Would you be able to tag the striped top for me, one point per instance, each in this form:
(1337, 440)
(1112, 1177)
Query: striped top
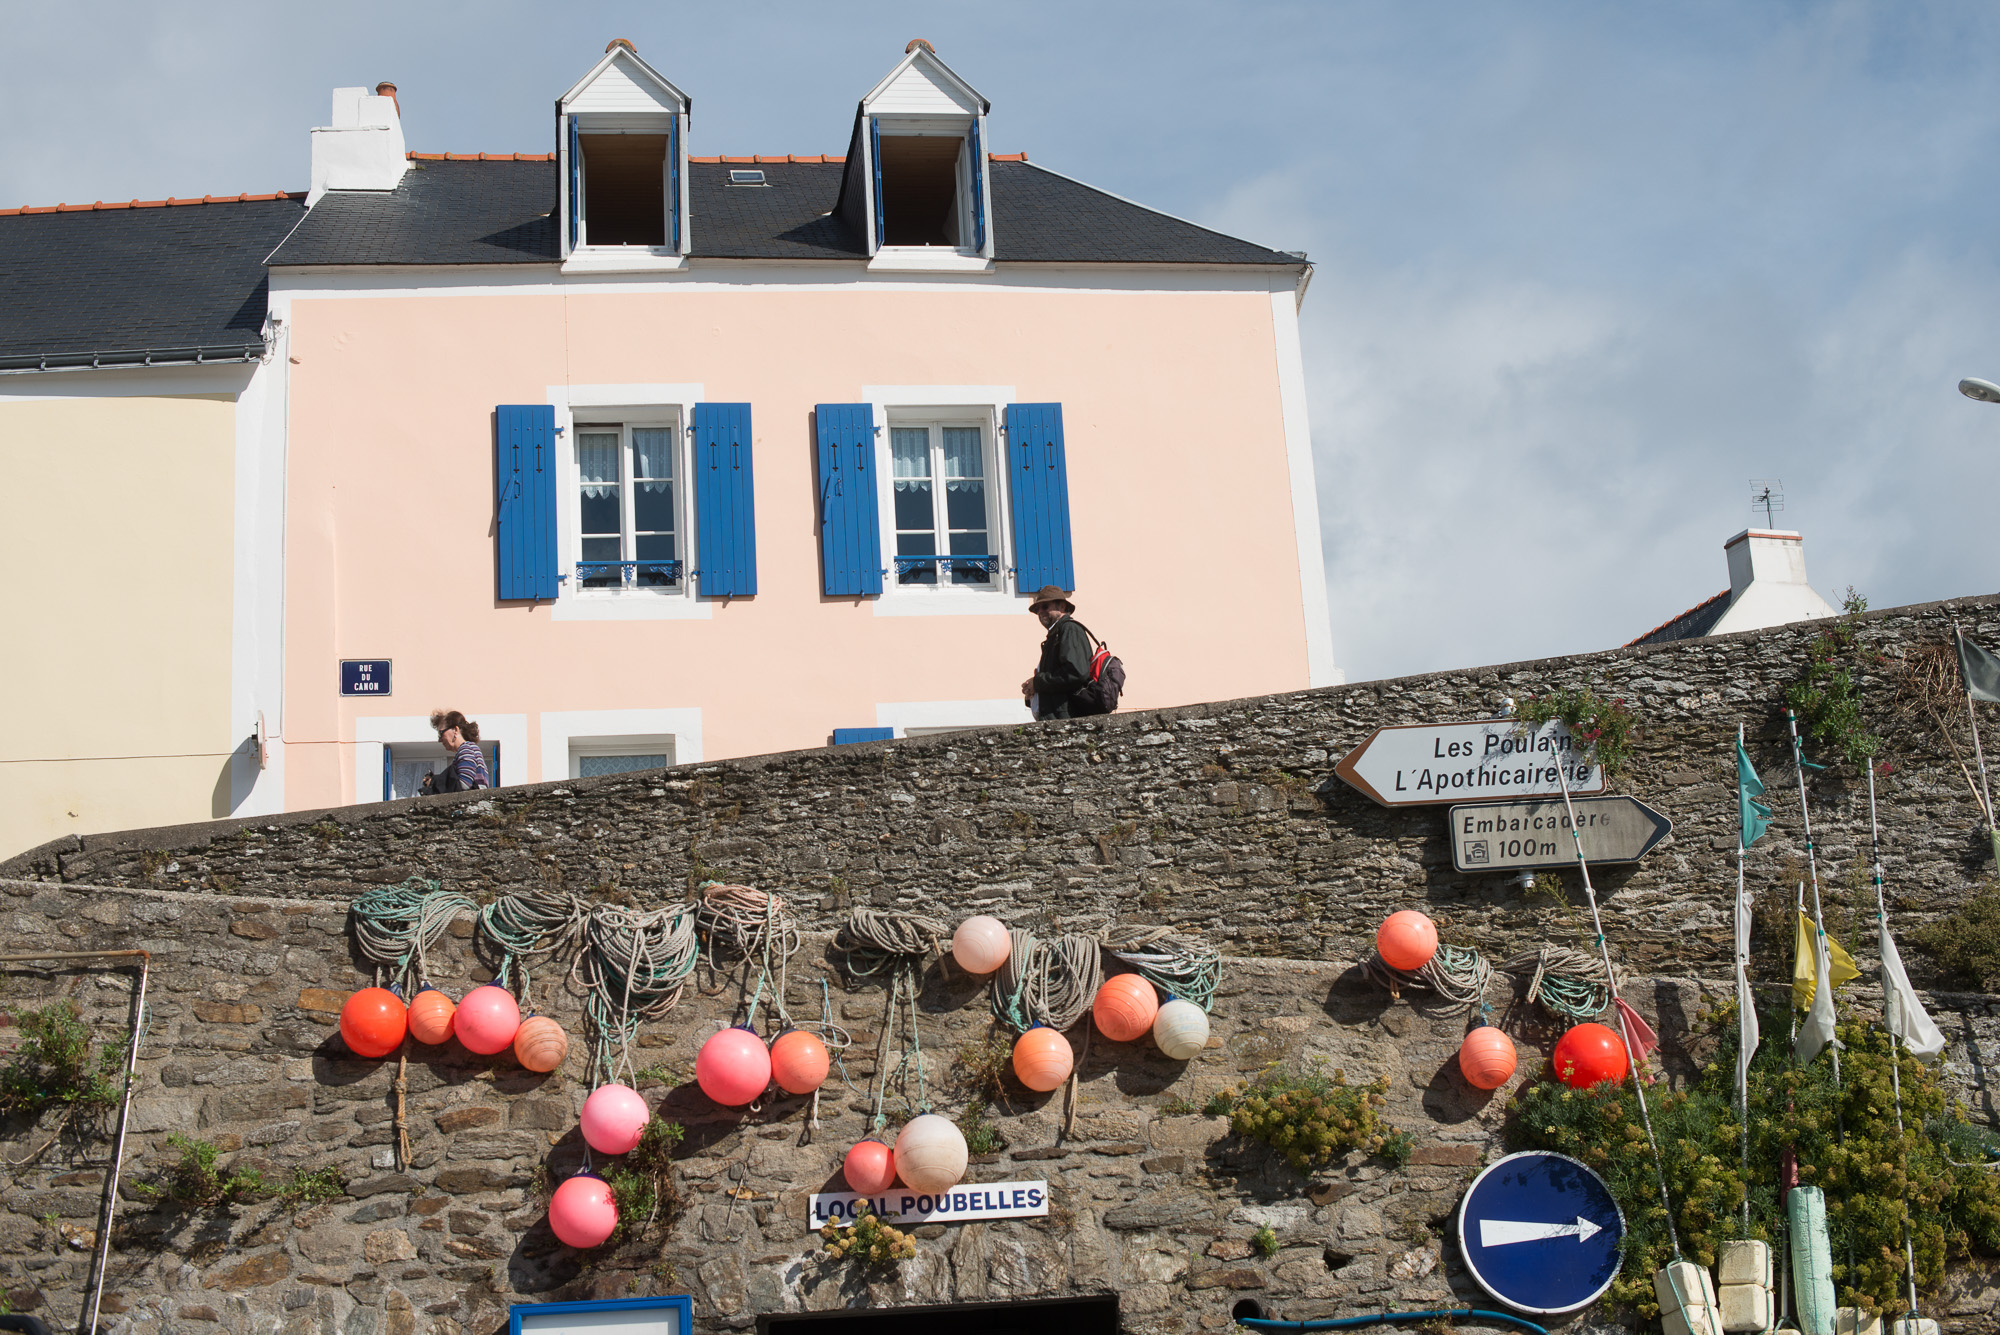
(471, 766)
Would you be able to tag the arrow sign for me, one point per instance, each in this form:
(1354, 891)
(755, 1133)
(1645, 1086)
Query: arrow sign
(1425, 764)
(1504, 1232)
(1503, 836)
(1503, 1209)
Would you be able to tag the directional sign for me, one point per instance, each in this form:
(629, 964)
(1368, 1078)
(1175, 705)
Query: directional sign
(1428, 763)
(1501, 836)
(1541, 1232)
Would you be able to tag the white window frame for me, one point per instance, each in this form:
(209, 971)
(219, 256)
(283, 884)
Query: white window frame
(934, 423)
(628, 405)
(962, 256)
(628, 498)
(572, 732)
(589, 257)
(372, 732)
(953, 405)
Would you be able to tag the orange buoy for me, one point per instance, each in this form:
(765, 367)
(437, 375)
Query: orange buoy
(1125, 1007)
(540, 1043)
(373, 1022)
(799, 1061)
(431, 1014)
(1042, 1060)
(1486, 1057)
(1589, 1054)
(1406, 940)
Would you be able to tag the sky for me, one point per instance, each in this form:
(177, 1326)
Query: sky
(1582, 271)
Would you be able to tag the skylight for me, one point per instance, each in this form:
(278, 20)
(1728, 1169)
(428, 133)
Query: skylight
(750, 177)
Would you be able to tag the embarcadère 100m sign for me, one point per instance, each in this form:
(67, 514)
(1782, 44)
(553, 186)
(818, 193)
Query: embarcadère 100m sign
(1433, 763)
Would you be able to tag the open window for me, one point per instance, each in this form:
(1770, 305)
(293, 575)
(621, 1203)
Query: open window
(916, 180)
(621, 138)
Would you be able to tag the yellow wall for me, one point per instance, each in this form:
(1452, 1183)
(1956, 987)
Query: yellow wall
(116, 522)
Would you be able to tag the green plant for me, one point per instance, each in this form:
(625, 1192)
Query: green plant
(664, 1074)
(326, 832)
(1397, 1147)
(643, 1184)
(980, 1135)
(1219, 1103)
(1845, 1141)
(1606, 727)
(869, 1241)
(1265, 1241)
(982, 1067)
(1828, 708)
(1966, 946)
(1306, 1115)
(52, 1065)
(196, 1182)
(312, 1188)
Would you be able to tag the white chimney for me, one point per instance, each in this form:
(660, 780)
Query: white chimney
(363, 148)
(1767, 582)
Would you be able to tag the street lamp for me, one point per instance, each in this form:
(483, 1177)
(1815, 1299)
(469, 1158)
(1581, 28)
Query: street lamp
(1983, 390)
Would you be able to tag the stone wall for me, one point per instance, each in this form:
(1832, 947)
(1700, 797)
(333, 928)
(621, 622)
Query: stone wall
(1221, 818)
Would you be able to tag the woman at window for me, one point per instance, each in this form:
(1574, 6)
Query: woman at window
(460, 738)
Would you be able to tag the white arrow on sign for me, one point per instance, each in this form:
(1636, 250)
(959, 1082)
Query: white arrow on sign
(1503, 1232)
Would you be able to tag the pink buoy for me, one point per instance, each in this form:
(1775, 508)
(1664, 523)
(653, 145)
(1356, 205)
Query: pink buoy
(583, 1211)
(613, 1119)
(487, 1020)
(981, 944)
(799, 1061)
(870, 1167)
(733, 1067)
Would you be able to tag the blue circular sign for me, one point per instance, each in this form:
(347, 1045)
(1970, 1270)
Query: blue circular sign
(1541, 1232)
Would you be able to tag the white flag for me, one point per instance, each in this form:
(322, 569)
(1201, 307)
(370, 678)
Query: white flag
(1902, 1012)
(1746, 1005)
(1817, 1031)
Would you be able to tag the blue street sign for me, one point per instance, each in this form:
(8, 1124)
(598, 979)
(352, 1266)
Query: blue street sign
(364, 676)
(1541, 1232)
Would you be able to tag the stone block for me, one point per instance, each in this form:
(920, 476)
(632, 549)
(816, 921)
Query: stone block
(467, 1181)
(329, 1246)
(1694, 1319)
(1745, 1307)
(1239, 1277)
(255, 929)
(1448, 1156)
(388, 1244)
(465, 1119)
(1159, 1212)
(375, 1186)
(1745, 1261)
(498, 1146)
(1856, 1321)
(1681, 1282)
(253, 1273)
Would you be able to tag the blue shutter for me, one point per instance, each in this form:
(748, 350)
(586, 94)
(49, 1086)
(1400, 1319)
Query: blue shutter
(524, 468)
(849, 736)
(978, 191)
(1038, 485)
(875, 162)
(575, 184)
(850, 535)
(674, 185)
(725, 499)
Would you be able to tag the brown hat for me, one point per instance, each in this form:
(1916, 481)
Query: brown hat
(1051, 594)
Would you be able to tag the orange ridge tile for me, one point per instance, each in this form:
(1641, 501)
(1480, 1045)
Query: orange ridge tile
(100, 205)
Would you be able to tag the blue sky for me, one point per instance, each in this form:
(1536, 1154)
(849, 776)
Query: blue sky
(1582, 270)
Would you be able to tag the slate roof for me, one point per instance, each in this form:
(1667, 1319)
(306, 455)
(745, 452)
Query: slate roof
(177, 281)
(1692, 624)
(458, 211)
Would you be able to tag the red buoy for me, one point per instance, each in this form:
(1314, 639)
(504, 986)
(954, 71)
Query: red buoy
(1590, 1054)
(373, 1022)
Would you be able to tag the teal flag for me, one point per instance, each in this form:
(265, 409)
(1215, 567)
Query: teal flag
(1749, 791)
(1981, 671)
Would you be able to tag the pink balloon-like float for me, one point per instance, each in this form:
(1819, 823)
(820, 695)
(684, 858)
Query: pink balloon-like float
(613, 1119)
(583, 1212)
(487, 1020)
(733, 1067)
(870, 1167)
(981, 944)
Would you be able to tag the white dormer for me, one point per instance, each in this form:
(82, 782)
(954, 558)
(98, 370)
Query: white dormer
(621, 148)
(921, 138)
(363, 148)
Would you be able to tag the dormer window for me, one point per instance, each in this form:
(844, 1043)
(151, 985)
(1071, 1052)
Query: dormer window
(917, 178)
(622, 134)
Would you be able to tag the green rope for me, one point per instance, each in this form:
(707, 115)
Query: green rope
(528, 928)
(1180, 966)
(1565, 982)
(395, 924)
(631, 968)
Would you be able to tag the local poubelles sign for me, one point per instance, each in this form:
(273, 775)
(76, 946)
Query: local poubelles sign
(960, 1205)
(1427, 763)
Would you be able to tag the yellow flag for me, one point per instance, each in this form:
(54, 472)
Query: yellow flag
(1840, 965)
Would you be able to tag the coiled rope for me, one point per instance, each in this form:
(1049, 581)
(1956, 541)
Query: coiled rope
(395, 924)
(876, 941)
(749, 924)
(526, 929)
(631, 968)
(1458, 974)
(1565, 982)
(1181, 966)
(1046, 982)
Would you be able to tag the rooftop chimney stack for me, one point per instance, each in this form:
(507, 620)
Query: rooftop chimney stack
(363, 149)
(1767, 582)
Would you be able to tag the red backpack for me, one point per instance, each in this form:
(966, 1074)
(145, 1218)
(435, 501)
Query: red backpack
(1107, 681)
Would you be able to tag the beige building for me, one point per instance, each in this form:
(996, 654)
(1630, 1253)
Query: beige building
(138, 427)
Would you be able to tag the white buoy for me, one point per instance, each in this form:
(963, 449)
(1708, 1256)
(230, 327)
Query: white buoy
(1181, 1029)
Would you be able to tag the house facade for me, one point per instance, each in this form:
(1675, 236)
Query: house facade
(643, 457)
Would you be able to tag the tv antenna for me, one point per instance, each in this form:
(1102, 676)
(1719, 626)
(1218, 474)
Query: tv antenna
(1765, 493)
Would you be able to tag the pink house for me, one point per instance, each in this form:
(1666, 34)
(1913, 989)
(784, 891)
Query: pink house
(640, 457)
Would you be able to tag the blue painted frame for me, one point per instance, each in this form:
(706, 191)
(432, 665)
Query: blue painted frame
(681, 1304)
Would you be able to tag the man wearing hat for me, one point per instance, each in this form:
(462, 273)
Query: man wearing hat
(1065, 666)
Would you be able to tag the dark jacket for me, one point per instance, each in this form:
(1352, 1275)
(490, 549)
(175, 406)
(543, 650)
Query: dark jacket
(1064, 669)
